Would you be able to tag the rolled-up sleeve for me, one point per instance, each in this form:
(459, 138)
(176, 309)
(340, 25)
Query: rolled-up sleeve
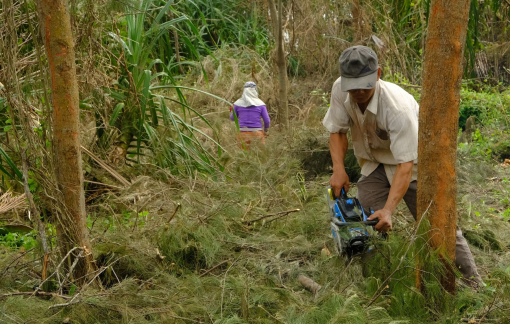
(403, 130)
(337, 119)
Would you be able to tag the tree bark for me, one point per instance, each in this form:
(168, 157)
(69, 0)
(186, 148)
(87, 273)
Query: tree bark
(438, 125)
(282, 72)
(358, 21)
(56, 31)
(362, 27)
(274, 18)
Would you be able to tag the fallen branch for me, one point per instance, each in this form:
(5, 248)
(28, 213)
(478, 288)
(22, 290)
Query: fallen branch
(104, 184)
(247, 210)
(215, 267)
(72, 302)
(75, 300)
(309, 284)
(268, 313)
(58, 266)
(71, 269)
(474, 321)
(175, 212)
(279, 214)
(491, 306)
(38, 293)
(108, 168)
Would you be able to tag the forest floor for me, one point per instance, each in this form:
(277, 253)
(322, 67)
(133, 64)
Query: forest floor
(176, 249)
(207, 261)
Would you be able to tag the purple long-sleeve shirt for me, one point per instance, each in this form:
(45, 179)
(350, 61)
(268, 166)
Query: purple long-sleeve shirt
(250, 116)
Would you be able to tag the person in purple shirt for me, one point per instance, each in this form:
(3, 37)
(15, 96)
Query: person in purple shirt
(249, 110)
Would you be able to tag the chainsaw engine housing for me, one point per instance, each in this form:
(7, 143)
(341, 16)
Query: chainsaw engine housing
(350, 228)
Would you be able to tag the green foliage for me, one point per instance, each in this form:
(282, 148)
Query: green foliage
(9, 163)
(222, 23)
(15, 239)
(491, 138)
(483, 239)
(294, 66)
(141, 113)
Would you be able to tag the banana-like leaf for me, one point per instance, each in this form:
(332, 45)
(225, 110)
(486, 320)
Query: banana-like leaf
(164, 10)
(11, 164)
(192, 89)
(116, 113)
(121, 42)
(163, 28)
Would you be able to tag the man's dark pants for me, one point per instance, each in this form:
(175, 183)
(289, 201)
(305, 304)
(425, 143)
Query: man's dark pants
(373, 192)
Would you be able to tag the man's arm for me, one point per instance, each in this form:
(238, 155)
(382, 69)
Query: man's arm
(398, 189)
(338, 144)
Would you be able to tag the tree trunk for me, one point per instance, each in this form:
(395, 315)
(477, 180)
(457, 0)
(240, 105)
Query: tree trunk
(282, 72)
(362, 27)
(358, 21)
(56, 31)
(438, 125)
(274, 18)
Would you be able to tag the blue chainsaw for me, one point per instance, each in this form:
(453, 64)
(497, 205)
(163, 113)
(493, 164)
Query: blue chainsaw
(349, 225)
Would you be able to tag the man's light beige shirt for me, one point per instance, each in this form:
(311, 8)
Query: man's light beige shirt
(386, 133)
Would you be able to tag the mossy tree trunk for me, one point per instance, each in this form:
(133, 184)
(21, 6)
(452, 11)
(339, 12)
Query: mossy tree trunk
(438, 125)
(57, 34)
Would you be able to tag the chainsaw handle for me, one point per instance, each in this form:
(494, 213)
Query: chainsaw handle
(366, 223)
(343, 193)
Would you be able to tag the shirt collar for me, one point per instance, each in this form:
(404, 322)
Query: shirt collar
(372, 106)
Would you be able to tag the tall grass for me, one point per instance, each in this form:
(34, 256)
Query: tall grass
(142, 114)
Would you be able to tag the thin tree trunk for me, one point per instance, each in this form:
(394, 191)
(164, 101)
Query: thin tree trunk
(274, 18)
(356, 18)
(362, 27)
(56, 31)
(282, 72)
(438, 126)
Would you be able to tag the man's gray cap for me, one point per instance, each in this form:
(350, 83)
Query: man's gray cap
(358, 67)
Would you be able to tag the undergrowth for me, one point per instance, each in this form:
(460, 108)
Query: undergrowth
(209, 263)
(184, 249)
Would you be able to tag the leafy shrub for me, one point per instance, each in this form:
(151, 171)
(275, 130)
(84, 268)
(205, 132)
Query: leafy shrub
(16, 240)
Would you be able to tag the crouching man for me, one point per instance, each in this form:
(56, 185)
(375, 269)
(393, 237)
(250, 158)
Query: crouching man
(383, 119)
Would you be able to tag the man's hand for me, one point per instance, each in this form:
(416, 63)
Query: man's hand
(384, 216)
(338, 180)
